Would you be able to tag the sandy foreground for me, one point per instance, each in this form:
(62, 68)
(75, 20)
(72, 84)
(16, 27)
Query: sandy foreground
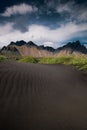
(42, 97)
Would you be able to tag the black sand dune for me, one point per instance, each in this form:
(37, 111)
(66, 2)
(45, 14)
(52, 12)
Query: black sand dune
(42, 97)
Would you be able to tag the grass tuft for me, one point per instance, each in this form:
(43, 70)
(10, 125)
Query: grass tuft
(28, 59)
(78, 62)
(2, 58)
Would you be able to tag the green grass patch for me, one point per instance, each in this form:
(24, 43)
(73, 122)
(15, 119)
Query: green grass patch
(54, 60)
(28, 60)
(79, 62)
(2, 58)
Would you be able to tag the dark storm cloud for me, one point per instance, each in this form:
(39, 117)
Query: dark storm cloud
(56, 17)
(69, 10)
(59, 10)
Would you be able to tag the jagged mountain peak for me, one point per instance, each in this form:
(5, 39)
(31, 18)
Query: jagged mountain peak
(51, 49)
(74, 43)
(31, 49)
(30, 43)
(74, 47)
(22, 42)
(18, 43)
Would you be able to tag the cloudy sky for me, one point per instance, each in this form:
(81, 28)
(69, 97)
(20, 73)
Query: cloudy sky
(48, 22)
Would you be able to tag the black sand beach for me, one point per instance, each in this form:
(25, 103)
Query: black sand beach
(42, 97)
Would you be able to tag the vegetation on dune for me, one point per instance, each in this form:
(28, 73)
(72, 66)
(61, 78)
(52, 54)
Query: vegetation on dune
(55, 60)
(2, 58)
(28, 59)
(80, 62)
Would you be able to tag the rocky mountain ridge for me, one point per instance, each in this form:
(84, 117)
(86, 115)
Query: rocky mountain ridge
(23, 48)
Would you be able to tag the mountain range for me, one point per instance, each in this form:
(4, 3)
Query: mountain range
(22, 48)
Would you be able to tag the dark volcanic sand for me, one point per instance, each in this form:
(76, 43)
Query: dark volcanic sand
(42, 97)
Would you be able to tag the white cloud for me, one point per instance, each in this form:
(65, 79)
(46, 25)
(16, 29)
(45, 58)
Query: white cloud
(85, 45)
(19, 9)
(40, 34)
(5, 29)
(64, 32)
(48, 43)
